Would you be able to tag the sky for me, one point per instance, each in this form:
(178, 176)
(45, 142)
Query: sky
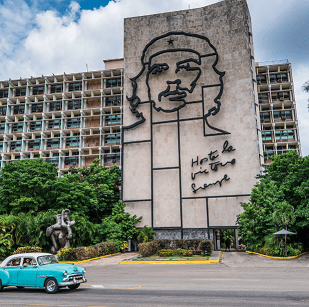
(41, 37)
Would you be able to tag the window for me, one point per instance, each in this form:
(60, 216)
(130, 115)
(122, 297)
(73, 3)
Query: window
(266, 136)
(3, 111)
(77, 86)
(54, 124)
(53, 142)
(4, 93)
(113, 82)
(113, 101)
(36, 144)
(17, 127)
(112, 158)
(261, 79)
(38, 90)
(16, 145)
(281, 96)
(263, 98)
(112, 138)
(265, 116)
(2, 128)
(71, 160)
(19, 109)
(281, 150)
(53, 160)
(113, 119)
(36, 126)
(56, 88)
(278, 78)
(284, 135)
(55, 106)
(74, 104)
(286, 115)
(73, 122)
(37, 108)
(72, 141)
(267, 154)
(1, 146)
(20, 92)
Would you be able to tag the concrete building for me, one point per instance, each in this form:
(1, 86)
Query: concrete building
(67, 119)
(191, 135)
(277, 107)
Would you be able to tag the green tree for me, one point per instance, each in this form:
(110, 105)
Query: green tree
(284, 182)
(284, 215)
(146, 234)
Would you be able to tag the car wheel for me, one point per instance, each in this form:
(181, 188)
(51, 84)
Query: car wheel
(20, 287)
(51, 286)
(73, 287)
(1, 287)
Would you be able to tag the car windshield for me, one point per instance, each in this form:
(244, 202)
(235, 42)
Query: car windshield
(47, 259)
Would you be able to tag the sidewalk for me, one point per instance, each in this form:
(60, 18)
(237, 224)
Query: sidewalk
(113, 260)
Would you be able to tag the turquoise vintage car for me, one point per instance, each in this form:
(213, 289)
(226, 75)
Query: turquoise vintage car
(39, 270)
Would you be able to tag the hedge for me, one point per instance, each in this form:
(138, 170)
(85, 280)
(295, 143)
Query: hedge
(150, 248)
(83, 253)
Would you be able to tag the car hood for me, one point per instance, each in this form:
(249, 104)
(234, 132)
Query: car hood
(62, 267)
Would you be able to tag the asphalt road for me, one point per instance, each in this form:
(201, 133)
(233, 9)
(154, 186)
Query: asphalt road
(239, 280)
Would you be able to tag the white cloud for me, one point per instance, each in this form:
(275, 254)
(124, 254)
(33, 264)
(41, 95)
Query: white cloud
(35, 42)
(57, 44)
(301, 75)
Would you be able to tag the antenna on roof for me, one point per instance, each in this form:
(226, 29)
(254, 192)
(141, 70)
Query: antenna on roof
(189, 6)
(87, 67)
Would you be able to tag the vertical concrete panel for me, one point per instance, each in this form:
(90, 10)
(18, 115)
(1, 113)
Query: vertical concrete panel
(194, 213)
(166, 200)
(224, 211)
(137, 173)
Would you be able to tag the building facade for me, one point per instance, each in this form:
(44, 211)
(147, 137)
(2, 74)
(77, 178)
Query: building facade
(277, 108)
(68, 119)
(191, 131)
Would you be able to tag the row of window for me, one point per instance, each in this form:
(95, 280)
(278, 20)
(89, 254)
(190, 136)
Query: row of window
(277, 115)
(69, 160)
(56, 88)
(278, 135)
(56, 106)
(274, 78)
(278, 96)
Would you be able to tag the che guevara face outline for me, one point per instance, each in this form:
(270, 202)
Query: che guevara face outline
(174, 87)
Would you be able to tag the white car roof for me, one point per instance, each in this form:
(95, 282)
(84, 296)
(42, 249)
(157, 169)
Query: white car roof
(25, 255)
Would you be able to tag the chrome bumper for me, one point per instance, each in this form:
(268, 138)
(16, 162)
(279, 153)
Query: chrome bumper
(74, 281)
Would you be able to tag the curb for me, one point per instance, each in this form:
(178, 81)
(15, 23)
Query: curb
(281, 258)
(172, 261)
(87, 260)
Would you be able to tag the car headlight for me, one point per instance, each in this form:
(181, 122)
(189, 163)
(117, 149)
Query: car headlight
(84, 271)
(65, 273)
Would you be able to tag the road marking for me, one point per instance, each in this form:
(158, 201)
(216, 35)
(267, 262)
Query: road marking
(97, 286)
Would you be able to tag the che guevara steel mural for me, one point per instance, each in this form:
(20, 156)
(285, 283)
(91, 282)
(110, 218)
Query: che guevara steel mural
(173, 76)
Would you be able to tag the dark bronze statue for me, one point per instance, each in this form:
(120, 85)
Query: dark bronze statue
(61, 232)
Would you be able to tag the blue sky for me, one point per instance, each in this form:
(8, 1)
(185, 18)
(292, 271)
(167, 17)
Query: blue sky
(55, 36)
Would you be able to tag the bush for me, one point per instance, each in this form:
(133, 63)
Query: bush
(148, 249)
(83, 253)
(146, 234)
(28, 249)
(165, 253)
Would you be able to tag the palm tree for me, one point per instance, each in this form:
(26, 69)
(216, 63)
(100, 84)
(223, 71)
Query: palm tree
(284, 215)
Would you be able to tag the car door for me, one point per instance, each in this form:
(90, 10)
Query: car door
(27, 274)
(13, 268)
